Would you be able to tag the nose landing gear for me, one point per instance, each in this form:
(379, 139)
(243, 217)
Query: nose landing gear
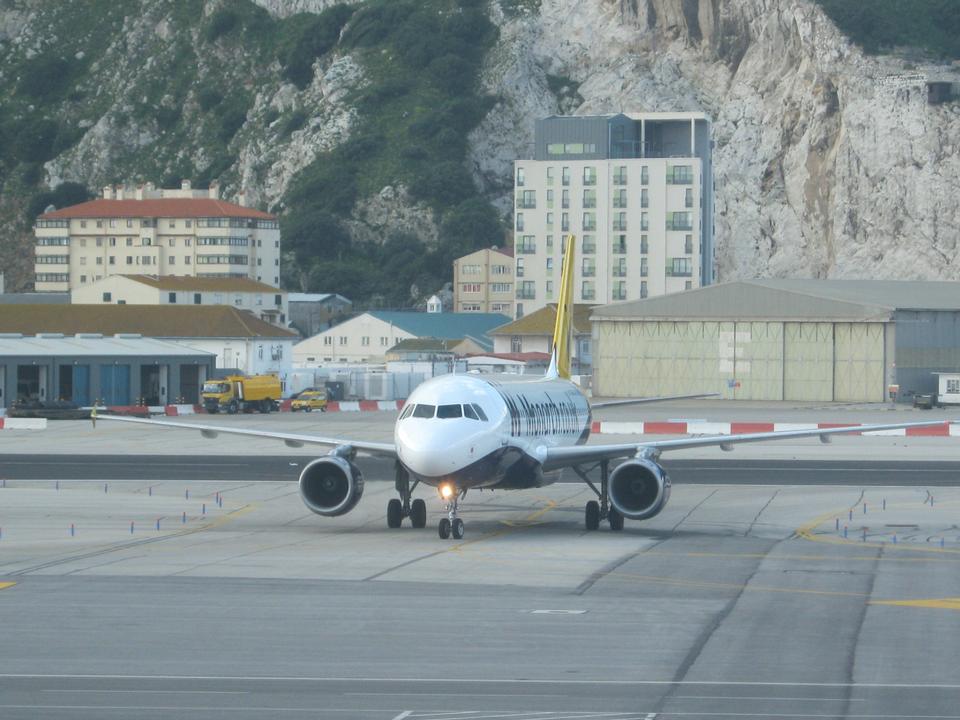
(451, 525)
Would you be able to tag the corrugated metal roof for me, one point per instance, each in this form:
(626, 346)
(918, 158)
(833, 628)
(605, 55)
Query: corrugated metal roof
(543, 321)
(866, 300)
(209, 284)
(35, 298)
(108, 346)
(314, 297)
(157, 207)
(164, 321)
(450, 326)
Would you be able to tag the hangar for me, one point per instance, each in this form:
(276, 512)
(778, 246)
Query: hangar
(804, 340)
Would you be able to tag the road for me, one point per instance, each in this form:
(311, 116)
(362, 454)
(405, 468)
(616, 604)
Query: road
(284, 468)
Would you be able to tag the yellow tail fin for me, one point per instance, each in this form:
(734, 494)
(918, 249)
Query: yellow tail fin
(560, 362)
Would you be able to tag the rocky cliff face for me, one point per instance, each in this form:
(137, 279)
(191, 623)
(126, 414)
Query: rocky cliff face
(828, 163)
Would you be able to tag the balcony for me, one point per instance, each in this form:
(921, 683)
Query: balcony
(680, 177)
(619, 178)
(619, 248)
(589, 248)
(526, 294)
(619, 203)
(589, 272)
(589, 294)
(619, 294)
(619, 271)
(619, 225)
(526, 248)
(672, 271)
(526, 204)
(590, 180)
(679, 225)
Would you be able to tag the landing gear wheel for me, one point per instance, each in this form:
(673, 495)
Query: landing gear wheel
(592, 515)
(444, 529)
(394, 513)
(458, 528)
(616, 520)
(418, 513)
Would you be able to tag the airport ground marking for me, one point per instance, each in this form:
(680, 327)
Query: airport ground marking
(935, 603)
(806, 558)
(5, 585)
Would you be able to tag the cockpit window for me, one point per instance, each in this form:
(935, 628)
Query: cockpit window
(424, 411)
(406, 411)
(445, 412)
(469, 412)
(480, 412)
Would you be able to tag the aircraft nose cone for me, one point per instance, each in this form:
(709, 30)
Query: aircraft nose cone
(429, 454)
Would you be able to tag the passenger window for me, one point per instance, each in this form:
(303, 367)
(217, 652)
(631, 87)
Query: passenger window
(445, 412)
(406, 411)
(423, 411)
(469, 412)
(480, 412)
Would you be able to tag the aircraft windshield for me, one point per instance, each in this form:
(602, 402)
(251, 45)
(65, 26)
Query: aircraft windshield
(423, 411)
(445, 412)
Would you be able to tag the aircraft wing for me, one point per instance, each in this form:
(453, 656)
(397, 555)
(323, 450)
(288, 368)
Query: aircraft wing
(291, 439)
(554, 458)
(640, 401)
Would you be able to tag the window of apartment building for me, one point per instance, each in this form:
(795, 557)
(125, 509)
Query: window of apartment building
(549, 221)
(186, 242)
(343, 339)
(620, 267)
(519, 311)
(588, 267)
(589, 246)
(146, 241)
(113, 242)
(620, 198)
(188, 223)
(113, 222)
(147, 260)
(549, 264)
(619, 222)
(620, 245)
(527, 244)
(688, 198)
(469, 269)
(680, 175)
(107, 297)
(365, 341)
(679, 267)
(526, 290)
(186, 260)
(644, 269)
(644, 245)
(520, 176)
(112, 260)
(130, 259)
(99, 242)
(619, 290)
(589, 176)
(238, 299)
(520, 221)
(519, 267)
(549, 199)
(83, 260)
(276, 280)
(99, 261)
(679, 221)
(278, 300)
(328, 340)
(500, 287)
(644, 198)
(589, 221)
(384, 341)
(549, 243)
(620, 175)
(499, 269)
(172, 260)
(516, 344)
(276, 262)
(259, 261)
(276, 243)
(565, 176)
(259, 243)
(643, 288)
(688, 244)
(172, 223)
(129, 242)
(644, 222)
(83, 242)
(527, 199)
(129, 223)
(565, 222)
(548, 289)
(83, 223)
(588, 290)
(589, 198)
(470, 307)
(500, 307)
(172, 298)
(688, 285)
(470, 287)
(644, 175)
(99, 223)
(549, 176)
(83, 279)
(172, 242)
(565, 199)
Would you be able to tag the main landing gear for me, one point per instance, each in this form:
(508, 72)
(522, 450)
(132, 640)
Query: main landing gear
(451, 525)
(596, 511)
(399, 508)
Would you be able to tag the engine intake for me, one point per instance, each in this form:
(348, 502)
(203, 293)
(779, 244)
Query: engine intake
(331, 486)
(639, 489)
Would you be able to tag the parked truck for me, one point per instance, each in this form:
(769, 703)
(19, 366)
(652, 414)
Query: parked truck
(236, 393)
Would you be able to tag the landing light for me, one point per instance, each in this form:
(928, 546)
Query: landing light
(446, 491)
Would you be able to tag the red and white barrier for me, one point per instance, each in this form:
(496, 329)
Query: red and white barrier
(7, 423)
(740, 428)
(364, 405)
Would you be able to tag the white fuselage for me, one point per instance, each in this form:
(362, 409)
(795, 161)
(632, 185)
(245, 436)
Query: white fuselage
(469, 432)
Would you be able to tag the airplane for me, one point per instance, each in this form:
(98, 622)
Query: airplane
(464, 432)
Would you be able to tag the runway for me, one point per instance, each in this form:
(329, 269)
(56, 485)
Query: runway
(719, 471)
(199, 586)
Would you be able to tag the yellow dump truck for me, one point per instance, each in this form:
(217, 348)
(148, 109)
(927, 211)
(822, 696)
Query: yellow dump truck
(237, 393)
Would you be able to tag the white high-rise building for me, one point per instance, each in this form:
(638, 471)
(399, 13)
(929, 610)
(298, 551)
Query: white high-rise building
(153, 231)
(637, 192)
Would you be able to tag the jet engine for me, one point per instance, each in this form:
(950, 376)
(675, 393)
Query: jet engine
(639, 488)
(331, 486)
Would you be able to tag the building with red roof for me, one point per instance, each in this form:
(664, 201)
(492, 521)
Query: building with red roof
(150, 231)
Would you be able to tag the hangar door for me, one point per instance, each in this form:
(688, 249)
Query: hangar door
(858, 362)
(807, 361)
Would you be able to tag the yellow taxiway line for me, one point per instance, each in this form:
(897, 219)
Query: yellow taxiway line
(5, 585)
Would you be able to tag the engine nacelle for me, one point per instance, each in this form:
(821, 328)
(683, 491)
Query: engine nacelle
(331, 486)
(639, 489)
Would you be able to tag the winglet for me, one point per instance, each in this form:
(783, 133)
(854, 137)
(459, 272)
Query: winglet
(560, 360)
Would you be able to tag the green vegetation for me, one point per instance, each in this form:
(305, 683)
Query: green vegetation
(422, 58)
(932, 26)
(63, 195)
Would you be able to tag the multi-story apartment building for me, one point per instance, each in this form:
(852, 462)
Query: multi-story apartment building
(155, 232)
(635, 190)
(483, 282)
